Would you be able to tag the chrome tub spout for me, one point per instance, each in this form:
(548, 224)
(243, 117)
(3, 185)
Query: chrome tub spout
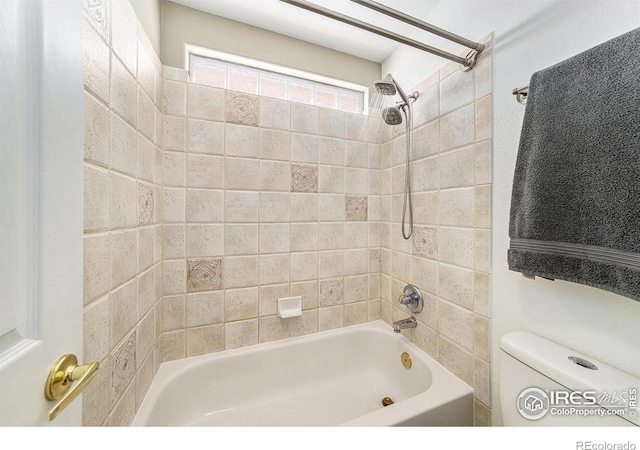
(403, 324)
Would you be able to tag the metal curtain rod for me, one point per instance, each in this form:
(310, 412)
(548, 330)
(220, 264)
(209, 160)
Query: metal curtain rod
(420, 24)
(467, 62)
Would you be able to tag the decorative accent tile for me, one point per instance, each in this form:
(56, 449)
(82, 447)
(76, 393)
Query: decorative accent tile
(204, 275)
(123, 367)
(242, 109)
(145, 204)
(356, 208)
(330, 292)
(98, 15)
(425, 242)
(304, 178)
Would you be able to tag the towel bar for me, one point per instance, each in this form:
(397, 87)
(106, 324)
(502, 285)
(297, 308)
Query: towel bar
(521, 94)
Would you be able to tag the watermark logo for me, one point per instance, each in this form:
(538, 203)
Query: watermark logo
(533, 403)
(588, 445)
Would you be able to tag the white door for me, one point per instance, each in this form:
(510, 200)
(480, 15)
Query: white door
(41, 151)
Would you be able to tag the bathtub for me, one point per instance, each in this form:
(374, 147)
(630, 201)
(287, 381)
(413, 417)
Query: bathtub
(336, 377)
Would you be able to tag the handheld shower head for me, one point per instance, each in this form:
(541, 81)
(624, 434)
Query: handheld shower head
(388, 86)
(392, 116)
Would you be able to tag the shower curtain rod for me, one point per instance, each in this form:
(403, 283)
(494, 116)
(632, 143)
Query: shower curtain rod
(467, 63)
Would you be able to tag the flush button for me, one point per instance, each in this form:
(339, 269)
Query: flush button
(583, 362)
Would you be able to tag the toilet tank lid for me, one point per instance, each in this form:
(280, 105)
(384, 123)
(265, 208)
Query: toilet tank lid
(552, 360)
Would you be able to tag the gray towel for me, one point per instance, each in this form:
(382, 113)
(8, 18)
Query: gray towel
(575, 207)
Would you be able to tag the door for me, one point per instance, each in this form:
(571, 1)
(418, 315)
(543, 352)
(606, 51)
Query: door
(41, 151)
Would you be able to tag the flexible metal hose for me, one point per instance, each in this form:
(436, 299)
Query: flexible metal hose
(407, 177)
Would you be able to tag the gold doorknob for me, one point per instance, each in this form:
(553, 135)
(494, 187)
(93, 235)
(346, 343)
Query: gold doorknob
(66, 381)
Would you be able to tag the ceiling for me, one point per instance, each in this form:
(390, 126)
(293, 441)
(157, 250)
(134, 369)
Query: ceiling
(280, 17)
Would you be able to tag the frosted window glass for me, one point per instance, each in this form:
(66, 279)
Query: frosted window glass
(243, 80)
(272, 85)
(301, 92)
(327, 97)
(211, 73)
(351, 102)
(226, 75)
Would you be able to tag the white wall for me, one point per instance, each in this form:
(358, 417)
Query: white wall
(530, 36)
(149, 14)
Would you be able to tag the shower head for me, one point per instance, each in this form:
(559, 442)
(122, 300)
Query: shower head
(392, 116)
(388, 86)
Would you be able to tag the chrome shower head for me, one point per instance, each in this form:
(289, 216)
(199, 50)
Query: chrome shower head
(392, 116)
(388, 86)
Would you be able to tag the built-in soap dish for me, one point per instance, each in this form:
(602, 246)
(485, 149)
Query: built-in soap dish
(289, 307)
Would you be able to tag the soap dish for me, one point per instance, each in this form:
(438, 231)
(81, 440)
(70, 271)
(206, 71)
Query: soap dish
(289, 307)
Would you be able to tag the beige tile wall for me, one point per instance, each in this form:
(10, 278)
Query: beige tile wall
(263, 199)
(122, 212)
(204, 206)
(448, 256)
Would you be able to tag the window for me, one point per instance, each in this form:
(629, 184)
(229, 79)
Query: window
(236, 73)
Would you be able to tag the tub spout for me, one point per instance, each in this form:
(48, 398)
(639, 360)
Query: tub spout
(409, 322)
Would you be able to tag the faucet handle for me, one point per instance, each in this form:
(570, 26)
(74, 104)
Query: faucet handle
(404, 299)
(411, 298)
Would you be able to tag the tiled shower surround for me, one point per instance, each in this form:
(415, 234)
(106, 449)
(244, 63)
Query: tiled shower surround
(448, 256)
(203, 206)
(263, 198)
(122, 231)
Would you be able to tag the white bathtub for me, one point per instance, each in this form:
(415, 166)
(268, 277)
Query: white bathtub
(337, 377)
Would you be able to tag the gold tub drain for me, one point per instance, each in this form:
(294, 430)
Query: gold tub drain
(387, 401)
(406, 360)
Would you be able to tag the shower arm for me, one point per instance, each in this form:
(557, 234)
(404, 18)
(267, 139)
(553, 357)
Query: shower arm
(467, 63)
(404, 97)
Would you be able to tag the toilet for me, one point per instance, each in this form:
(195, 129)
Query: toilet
(545, 384)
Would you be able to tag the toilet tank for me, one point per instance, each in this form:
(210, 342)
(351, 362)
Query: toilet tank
(546, 384)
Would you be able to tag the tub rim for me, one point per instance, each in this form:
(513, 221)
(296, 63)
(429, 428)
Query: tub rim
(434, 396)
